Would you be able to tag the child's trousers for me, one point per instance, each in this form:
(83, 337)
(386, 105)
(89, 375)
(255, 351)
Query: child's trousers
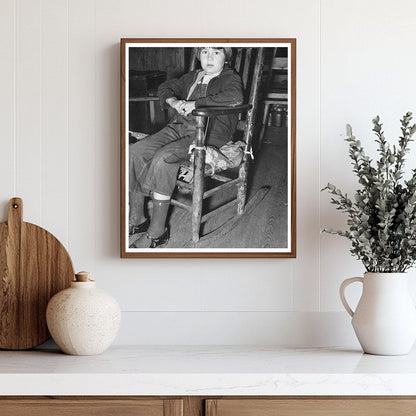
(154, 161)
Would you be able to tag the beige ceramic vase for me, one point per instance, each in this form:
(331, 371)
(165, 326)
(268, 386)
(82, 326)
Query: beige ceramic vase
(82, 319)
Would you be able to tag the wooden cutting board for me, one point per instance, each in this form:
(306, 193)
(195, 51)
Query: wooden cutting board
(34, 266)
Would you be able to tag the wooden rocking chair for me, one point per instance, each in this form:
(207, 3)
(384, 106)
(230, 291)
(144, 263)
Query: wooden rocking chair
(248, 62)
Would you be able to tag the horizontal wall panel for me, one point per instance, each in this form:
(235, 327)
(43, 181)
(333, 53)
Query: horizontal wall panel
(157, 286)
(290, 329)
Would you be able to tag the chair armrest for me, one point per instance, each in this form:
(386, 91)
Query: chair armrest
(220, 111)
(144, 99)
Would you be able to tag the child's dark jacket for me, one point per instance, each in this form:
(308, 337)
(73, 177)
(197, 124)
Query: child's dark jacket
(224, 90)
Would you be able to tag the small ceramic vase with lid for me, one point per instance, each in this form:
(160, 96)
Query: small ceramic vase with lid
(82, 319)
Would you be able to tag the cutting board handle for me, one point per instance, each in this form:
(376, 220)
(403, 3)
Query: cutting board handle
(15, 216)
(34, 266)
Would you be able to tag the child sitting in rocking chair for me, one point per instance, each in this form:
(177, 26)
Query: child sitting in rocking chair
(154, 161)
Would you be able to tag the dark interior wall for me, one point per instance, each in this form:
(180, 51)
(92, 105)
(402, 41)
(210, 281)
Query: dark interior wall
(169, 60)
(148, 67)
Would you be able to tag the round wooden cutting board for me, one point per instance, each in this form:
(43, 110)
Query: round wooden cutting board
(34, 266)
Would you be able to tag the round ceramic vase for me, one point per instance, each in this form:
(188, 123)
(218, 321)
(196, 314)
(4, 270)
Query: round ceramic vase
(385, 318)
(83, 320)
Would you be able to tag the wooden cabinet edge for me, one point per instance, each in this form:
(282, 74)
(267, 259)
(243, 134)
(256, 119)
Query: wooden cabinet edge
(211, 407)
(218, 406)
(312, 405)
(173, 407)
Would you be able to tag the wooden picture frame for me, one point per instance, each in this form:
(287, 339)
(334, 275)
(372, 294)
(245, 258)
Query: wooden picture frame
(262, 221)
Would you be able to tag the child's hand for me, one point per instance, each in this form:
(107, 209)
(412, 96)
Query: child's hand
(176, 104)
(181, 106)
(187, 107)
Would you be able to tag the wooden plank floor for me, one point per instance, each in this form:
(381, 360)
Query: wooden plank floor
(265, 225)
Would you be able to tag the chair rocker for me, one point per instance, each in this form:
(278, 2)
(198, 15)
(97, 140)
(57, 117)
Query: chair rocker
(248, 62)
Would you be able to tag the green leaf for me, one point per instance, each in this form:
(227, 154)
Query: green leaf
(381, 217)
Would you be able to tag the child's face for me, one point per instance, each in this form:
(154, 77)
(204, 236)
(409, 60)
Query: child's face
(212, 60)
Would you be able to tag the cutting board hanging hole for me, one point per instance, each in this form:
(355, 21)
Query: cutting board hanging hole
(37, 266)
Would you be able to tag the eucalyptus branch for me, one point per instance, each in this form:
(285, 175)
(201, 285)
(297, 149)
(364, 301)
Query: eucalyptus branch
(382, 214)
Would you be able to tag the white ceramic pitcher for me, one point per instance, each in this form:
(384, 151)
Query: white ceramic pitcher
(385, 318)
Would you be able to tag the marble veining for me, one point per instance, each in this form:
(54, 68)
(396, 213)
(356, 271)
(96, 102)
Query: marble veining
(206, 370)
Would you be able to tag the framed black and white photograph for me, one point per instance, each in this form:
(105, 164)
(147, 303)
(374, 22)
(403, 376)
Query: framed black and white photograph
(208, 133)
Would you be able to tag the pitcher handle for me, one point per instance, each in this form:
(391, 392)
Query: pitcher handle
(342, 288)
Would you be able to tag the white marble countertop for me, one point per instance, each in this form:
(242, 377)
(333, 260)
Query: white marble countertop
(211, 371)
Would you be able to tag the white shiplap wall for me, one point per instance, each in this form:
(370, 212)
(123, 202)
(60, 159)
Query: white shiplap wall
(59, 151)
